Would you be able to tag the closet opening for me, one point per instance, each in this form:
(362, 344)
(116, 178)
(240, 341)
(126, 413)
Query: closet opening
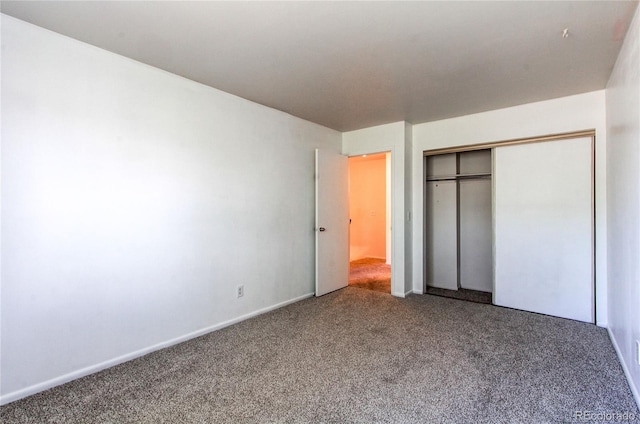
(458, 225)
(370, 222)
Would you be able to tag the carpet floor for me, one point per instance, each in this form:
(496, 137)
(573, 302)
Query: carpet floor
(370, 273)
(357, 356)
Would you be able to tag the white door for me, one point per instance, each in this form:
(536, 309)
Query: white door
(543, 211)
(441, 233)
(332, 222)
(475, 234)
(441, 228)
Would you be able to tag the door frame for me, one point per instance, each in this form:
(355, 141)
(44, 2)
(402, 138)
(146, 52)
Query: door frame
(397, 139)
(388, 208)
(397, 282)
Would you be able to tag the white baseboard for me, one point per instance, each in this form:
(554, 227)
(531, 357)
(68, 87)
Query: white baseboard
(36, 388)
(634, 389)
(398, 294)
(407, 293)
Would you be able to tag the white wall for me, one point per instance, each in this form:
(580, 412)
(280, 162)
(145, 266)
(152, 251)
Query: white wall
(388, 138)
(134, 202)
(580, 112)
(623, 203)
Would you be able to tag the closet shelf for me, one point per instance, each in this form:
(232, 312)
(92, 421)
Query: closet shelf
(458, 176)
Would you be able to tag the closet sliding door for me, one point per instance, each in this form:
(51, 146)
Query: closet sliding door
(458, 221)
(440, 224)
(543, 223)
(474, 221)
(476, 271)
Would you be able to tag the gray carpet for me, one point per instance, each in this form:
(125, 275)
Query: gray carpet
(357, 356)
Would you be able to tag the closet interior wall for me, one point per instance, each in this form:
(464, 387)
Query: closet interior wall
(458, 221)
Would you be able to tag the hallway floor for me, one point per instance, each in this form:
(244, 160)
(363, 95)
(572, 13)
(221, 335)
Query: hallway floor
(371, 274)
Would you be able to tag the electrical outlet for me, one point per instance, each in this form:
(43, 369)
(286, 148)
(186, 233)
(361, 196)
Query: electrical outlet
(240, 291)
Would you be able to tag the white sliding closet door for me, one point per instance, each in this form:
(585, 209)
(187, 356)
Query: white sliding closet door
(476, 272)
(543, 240)
(441, 231)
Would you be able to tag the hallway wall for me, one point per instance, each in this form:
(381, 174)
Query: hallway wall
(367, 207)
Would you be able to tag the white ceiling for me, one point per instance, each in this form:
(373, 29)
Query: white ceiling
(351, 65)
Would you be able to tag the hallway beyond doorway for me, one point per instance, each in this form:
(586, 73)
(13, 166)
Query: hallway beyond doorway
(370, 273)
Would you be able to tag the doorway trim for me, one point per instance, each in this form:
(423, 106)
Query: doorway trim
(397, 139)
(389, 193)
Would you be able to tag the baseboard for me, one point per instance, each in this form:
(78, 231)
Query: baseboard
(405, 294)
(627, 374)
(36, 388)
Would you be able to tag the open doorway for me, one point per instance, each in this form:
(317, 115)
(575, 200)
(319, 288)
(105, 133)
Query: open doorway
(370, 222)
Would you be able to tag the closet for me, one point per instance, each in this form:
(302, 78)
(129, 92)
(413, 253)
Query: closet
(515, 219)
(458, 221)
(544, 228)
